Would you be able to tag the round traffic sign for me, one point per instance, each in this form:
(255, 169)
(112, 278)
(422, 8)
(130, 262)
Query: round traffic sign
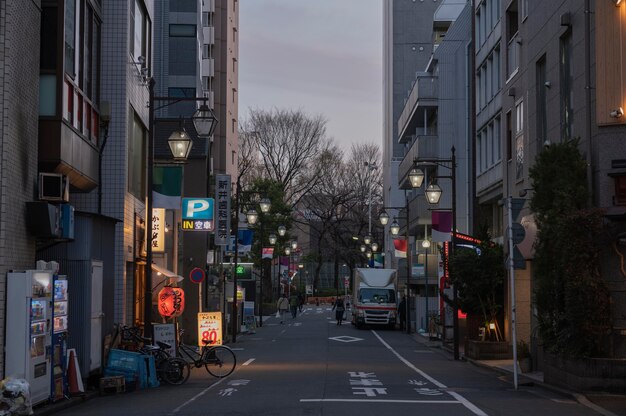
(196, 275)
(518, 232)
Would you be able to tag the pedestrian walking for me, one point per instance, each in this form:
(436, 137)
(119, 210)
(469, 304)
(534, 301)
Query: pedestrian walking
(339, 309)
(293, 303)
(300, 302)
(402, 312)
(283, 306)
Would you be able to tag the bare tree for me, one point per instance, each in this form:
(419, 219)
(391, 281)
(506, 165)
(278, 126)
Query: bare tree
(290, 144)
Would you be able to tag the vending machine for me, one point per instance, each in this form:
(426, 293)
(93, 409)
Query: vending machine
(59, 383)
(29, 330)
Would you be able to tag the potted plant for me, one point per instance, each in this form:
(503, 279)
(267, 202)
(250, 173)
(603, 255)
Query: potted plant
(523, 356)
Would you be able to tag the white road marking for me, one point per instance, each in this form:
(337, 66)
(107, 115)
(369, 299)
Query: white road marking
(345, 338)
(249, 361)
(383, 401)
(457, 396)
(197, 396)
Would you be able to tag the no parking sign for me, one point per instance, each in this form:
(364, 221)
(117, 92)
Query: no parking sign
(197, 275)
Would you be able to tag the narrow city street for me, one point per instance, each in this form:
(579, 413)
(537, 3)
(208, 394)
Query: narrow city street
(312, 366)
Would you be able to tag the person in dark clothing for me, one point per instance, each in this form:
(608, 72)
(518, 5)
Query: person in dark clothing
(300, 302)
(339, 309)
(402, 312)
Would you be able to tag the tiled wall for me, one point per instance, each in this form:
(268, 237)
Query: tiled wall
(19, 98)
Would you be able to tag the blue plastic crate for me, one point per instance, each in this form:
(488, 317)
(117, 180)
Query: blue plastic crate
(125, 360)
(150, 379)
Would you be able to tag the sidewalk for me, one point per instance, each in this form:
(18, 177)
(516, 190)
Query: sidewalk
(605, 404)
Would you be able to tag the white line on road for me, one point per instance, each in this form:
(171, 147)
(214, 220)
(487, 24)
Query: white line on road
(197, 396)
(457, 396)
(382, 401)
(249, 361)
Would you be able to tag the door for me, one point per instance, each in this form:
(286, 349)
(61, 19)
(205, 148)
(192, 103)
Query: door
(96, 316)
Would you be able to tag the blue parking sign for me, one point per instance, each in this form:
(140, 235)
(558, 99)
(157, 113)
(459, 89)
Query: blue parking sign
(197, 208)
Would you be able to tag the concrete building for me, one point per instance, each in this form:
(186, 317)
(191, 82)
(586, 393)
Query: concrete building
(19, 75)
(407, 48)
(196, 53)
(429, 117)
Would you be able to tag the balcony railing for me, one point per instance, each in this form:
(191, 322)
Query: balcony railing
(424, 93)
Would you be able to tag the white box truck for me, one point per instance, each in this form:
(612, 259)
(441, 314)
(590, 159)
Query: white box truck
(374, 297)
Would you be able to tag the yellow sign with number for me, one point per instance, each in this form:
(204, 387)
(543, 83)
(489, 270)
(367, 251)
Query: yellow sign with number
(210, 328)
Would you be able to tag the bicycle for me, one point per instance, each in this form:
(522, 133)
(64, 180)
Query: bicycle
(218, 360)
(172, 370)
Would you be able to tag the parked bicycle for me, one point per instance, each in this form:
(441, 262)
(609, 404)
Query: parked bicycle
(219, 360)
(172, 370)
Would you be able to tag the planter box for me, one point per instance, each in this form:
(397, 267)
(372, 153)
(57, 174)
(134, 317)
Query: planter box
(586, 374)
(488, 350)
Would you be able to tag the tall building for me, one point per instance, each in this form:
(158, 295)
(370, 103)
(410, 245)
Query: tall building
(407, 48)
(19, 75)
(196, 53)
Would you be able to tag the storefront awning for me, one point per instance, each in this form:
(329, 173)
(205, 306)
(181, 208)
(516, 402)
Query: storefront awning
(166, 273)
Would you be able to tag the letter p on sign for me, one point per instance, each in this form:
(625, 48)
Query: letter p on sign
(197, 208)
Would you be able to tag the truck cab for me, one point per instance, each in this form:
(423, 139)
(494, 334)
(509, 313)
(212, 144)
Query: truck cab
(374, 297)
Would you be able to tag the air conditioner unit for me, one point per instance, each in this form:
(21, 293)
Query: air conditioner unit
(54, 187)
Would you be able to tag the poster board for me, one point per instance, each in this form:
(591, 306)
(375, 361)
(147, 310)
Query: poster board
(166, 333)
(210, 327)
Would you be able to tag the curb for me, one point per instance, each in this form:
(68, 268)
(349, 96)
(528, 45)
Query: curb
(578, 397)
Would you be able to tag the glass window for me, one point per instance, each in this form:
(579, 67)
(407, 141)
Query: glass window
(70, 37)
(140, 29)
(542, 103)
(49, 34)
(519, 117)
(566, 70)
(620, 190)
(184, 31)
(183, 108)
(137, 158)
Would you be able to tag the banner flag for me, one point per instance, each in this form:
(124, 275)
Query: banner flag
(442, 226)
(268, 252)
(401, 248)
(166, 187)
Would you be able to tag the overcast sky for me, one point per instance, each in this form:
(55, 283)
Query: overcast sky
(321, 56)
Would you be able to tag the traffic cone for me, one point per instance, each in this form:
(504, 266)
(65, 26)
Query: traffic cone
(71, 376)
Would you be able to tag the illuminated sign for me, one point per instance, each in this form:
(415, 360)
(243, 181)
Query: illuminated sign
(197, 214)
(210, 328)
(158, 230)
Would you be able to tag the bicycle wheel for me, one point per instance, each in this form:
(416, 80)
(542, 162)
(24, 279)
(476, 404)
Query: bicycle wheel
(175, 371)
(220, 361)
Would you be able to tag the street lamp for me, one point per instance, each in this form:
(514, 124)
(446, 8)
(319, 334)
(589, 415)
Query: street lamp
(367, 239)
(180, 145)
(272, 239)
(282, 230)
(426, 247)
(433, 194)
(204, 122)
(252, 217)
(288, 254)
(374, 247)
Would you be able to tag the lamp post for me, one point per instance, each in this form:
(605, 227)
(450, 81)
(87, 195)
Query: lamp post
(426, 246)
(433, 194)
(252, 217)
(204, 121)
(416, 177)
(288, 254)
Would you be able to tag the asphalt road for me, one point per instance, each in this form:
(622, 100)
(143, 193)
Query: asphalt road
(311, 366)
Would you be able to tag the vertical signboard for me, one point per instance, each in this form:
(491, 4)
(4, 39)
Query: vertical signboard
(210, 328)
(222, 210)
(158, 230)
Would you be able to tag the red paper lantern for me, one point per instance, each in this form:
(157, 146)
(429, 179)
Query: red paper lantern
(171, 302)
